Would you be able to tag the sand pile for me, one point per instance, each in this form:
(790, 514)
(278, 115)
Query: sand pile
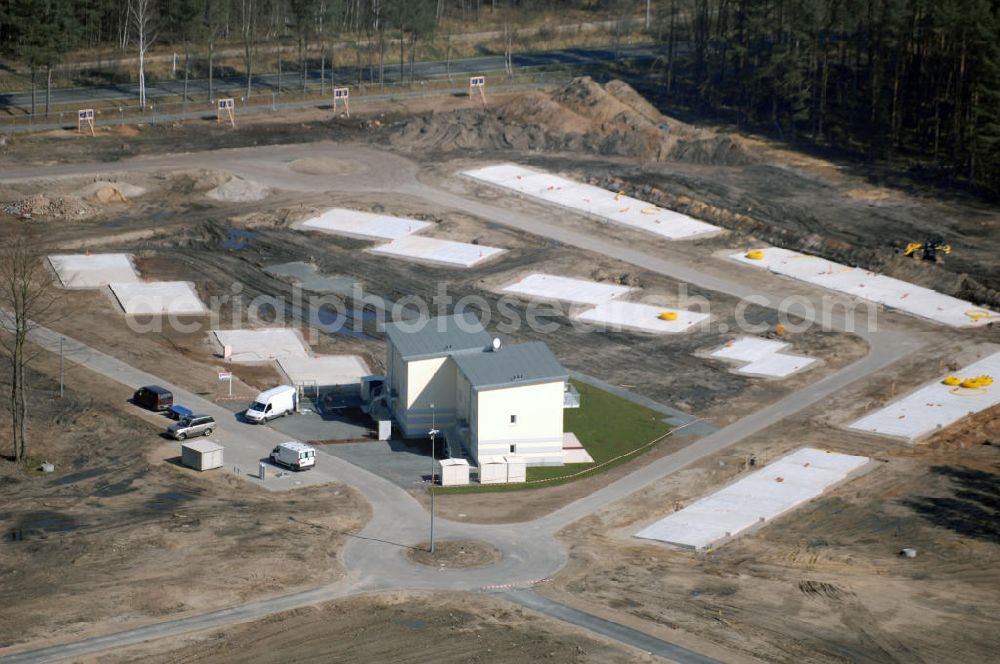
(40, 205)
(583, 116)
(237, 190)
(105, 192)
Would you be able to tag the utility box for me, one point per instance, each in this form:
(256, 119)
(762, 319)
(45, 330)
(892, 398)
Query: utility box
(384, 429)
(201, 455)
(492, 470)
(517, 468)
(454, 472)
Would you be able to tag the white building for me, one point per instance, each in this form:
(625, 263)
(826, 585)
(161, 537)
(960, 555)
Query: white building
(490, 401)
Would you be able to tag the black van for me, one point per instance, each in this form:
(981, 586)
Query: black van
(153, 397)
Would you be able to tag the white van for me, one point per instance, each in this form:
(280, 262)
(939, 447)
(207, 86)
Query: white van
(272, 403)
(294, 455)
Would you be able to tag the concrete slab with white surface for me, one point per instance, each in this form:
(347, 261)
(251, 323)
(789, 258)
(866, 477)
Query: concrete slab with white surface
(573, 450)
(936, 405)
(601, 203)
(93, 270)
(440, 252)
(261, 345)
(158, 297)
(755, 499)
(324, 370)
(565, 289)
(762, 357)
(878, 288)
(363, 225)
(641, 317)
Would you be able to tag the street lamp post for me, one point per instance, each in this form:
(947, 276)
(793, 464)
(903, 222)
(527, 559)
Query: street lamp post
(433, 433)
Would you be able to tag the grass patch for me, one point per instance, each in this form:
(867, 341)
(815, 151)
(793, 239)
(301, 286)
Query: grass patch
(607, 425)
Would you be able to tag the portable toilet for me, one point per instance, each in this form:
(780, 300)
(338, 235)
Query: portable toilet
(492, 470)
(454, 472)
(201, 455)
(517, 468)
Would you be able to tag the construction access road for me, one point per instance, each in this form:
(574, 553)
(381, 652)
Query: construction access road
(529, 550)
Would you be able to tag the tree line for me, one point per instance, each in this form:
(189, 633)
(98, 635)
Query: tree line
(917, 79)
(40, 34)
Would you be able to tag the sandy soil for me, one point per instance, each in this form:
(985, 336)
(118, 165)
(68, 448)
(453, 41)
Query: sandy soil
(121, 535)
(825, 583)
(400, 627)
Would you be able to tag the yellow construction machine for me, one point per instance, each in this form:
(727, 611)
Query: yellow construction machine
(933, 249)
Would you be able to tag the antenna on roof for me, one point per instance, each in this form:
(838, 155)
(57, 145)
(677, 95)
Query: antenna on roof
(496, 344)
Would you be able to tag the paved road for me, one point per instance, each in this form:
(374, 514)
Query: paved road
(235, 86)
(373, 558)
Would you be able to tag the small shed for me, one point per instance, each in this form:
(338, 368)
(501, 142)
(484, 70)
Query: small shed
(517, 468)
(492, 470)
(201, 455)
(454, 472)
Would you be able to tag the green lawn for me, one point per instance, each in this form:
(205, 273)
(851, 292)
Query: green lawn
(607, 425)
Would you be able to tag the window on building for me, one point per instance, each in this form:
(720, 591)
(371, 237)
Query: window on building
(513, 419)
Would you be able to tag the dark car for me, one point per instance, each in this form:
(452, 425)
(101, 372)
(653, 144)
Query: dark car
(153, 397)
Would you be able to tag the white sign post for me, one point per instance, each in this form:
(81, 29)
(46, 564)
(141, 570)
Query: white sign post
(478, 82)
(85, 116)
(227, 107)
(344, 95)
(227, 376)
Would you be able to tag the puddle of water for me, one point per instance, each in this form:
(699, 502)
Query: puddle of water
(412, 623)
(73, 478)
(169, 500)
(238, 238)
(37, 524)
(116, 489)
(311, 280)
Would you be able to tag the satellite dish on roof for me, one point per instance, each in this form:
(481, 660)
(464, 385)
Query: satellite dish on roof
(496, 344)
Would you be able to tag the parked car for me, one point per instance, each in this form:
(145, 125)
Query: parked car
(193, 425)
(154, 397)
(294, 455)
(272, 403)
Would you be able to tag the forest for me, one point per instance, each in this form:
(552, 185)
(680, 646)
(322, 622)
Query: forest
(916, 82)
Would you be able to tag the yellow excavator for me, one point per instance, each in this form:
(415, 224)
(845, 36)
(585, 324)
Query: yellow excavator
(934, 249)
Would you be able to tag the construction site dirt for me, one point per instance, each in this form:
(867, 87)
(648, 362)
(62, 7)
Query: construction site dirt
(825, 583)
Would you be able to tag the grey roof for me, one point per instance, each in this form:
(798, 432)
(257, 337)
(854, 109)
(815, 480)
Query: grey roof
(434, 337)
(520, 364)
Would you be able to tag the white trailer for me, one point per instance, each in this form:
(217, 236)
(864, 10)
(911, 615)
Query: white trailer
(272, 403)
(294, 455)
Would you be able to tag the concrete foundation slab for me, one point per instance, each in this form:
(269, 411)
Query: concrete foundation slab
(936, 405)
(762, 357)
(93, 270)
(158, 297)
(573, 450)
(261, 345)
(441, 252)
(912, 299)
(641, 317)
(600, 203)
(755, 499)
(363, 225)
(564, 289)
(324, 370)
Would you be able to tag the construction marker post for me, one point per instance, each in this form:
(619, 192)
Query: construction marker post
(478, 82)
(227, 376)
(85, 116)
(228, 108)
(344, 95)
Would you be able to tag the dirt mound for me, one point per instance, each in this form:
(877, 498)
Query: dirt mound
(106, 191)
(583, 116)
(238, 190)
(40, 205)
(322, 166)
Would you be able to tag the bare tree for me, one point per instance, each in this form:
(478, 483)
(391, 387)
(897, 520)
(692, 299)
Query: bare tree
(140, 13)
(27, 296)
(249, 11)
